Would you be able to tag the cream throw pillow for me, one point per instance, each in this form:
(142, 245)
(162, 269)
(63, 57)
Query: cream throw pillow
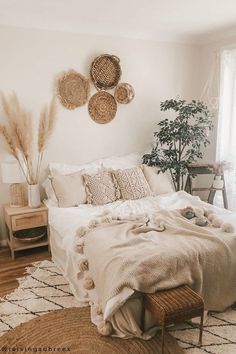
(69, 189)
(101, 188)
(132, 183)
(47, 185)
(159, 183)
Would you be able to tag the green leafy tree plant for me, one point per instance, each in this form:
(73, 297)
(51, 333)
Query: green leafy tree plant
(179, 141)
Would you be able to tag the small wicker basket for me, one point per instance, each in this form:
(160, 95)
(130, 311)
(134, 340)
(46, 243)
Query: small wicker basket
(30, 235)
(124, 93)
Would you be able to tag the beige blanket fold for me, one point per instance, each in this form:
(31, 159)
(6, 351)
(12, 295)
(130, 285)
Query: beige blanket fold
(130, 254)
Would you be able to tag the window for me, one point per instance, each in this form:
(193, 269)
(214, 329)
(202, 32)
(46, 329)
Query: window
(226, 135)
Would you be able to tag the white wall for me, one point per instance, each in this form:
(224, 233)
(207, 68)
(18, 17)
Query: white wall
(30, 60)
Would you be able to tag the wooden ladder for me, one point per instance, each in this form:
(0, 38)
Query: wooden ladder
(200, 169)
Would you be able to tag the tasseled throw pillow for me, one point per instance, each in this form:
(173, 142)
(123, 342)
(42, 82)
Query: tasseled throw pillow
(101, 188)
(132, 183)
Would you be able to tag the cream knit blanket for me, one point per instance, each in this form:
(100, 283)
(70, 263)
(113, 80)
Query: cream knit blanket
(126, 253)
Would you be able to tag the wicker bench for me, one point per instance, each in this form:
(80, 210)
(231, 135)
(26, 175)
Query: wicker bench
(174, 305)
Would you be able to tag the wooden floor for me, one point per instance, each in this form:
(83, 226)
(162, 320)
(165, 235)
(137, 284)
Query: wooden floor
(10, 269)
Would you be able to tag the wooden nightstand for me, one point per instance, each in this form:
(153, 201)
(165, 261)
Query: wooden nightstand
(25, 218)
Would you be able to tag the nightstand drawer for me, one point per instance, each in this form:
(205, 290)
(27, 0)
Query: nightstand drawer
(28, 221)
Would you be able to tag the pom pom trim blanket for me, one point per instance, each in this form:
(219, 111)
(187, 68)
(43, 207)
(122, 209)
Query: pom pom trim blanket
(135, 254)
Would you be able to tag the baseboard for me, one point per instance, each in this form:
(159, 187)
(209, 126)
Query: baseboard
(3, 243)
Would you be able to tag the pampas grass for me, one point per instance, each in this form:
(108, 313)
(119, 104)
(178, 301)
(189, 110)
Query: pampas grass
(46, 126)
(18, 134)
(9, 141)
(20, 124)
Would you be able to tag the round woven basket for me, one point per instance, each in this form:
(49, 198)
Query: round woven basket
(124, 93)
(30, 235)
(73, 89)
(105, 71)
(102, 107)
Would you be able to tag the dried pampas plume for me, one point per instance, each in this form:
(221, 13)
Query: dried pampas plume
(46, 126)
(9, 141)
(18, 134)
(20, 123)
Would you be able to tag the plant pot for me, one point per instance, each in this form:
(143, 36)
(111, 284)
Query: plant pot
(34, 196)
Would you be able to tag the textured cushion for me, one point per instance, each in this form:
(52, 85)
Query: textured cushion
(132, 183)
(101, 188)
(158, 181)
(69, 189)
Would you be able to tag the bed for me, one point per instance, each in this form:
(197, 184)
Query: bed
(124, 309)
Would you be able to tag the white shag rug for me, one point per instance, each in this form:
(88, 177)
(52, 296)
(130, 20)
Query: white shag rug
(44, 289)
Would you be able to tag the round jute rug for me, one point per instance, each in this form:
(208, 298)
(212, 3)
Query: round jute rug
(70, 331)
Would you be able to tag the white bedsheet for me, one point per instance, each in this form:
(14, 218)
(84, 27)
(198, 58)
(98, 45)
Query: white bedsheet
(65, 221)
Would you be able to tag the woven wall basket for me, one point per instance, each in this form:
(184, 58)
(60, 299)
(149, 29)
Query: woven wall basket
(105, 71)
(102, 107)
(72, 89)
(124, 93)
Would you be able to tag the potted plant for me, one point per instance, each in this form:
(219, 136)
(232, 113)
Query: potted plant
(179, 141)
(18, 135)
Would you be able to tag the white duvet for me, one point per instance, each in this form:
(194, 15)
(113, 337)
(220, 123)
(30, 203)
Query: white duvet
(65, 221)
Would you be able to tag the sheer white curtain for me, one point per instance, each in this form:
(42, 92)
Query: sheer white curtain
(226, 135)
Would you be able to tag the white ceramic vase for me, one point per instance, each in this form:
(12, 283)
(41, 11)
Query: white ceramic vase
(218, 183)
(34, 196)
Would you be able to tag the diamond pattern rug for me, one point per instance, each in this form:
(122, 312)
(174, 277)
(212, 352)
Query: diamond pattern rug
(44, 289)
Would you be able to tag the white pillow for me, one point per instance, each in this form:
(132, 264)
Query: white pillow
(160, 183)
(69, 189)
(122, 162)
(47, 185)
(115, 162)
(66, 169)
